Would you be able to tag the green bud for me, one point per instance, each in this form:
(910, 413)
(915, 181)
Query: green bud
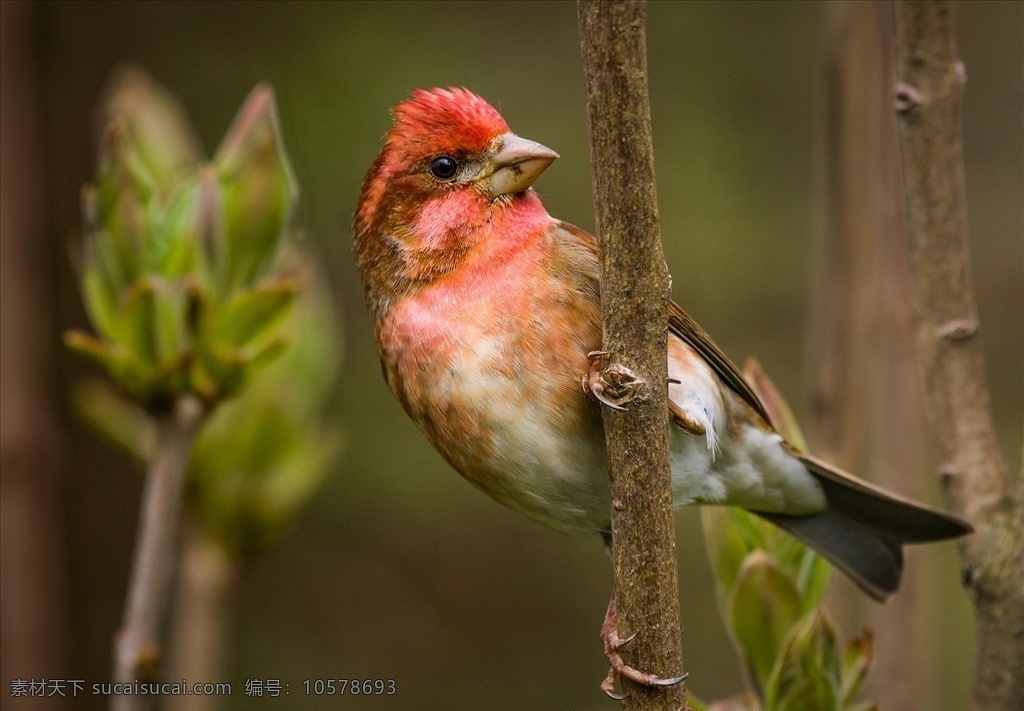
(250, 315)
(258, 187)
(808, 670)
(124, 195)
(157, 125)
(175, 250)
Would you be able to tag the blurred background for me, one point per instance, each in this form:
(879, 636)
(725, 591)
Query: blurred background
(398, 569)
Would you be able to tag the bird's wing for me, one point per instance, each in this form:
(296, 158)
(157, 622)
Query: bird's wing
(686, 329)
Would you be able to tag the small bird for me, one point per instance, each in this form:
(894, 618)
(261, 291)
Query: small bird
(487, 316)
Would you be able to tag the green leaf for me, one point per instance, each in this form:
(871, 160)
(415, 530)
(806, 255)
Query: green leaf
(726, 546)
(224, 371)
(815, 576)
(169, 328)
(99, 292)
(251, 314)
(206, 222)
(265, 355)
(111, 359)
(172, 250)
(157, 124)
(136, 323)
(814, 692)
(257, 184)
(810, 651)
(125, 197)
(763, 610)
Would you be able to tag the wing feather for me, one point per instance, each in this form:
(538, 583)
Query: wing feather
(683, 327)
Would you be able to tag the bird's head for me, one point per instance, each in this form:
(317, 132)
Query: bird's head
(449, 166)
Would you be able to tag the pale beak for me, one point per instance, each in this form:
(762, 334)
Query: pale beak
(515, 163)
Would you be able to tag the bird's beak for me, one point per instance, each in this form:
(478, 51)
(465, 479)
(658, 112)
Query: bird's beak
(514, 164)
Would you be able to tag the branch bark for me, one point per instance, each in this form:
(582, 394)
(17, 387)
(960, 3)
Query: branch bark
(867, 401)
(634, 301)
(139, 646)
(974, 474)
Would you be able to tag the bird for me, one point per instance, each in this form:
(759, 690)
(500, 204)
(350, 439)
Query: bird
(487, 319)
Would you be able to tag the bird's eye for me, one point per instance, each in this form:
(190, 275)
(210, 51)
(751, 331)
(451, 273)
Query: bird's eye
(443, 167)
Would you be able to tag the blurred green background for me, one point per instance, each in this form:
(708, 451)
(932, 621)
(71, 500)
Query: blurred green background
(398, 569)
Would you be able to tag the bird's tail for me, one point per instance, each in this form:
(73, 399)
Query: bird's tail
(864, 528)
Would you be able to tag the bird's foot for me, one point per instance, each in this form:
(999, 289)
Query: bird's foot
(618, 668)
(612, 385)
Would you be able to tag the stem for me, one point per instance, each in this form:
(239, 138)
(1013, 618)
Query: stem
(634, 302)
(139, 645)
(208, 579)
(974, 474)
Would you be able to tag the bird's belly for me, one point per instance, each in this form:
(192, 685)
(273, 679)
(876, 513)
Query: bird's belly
(510, 416)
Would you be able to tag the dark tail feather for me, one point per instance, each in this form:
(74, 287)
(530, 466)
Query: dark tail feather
(863, 529)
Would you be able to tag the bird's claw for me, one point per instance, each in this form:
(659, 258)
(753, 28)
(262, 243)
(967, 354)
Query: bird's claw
(618, 668)
(612, 385)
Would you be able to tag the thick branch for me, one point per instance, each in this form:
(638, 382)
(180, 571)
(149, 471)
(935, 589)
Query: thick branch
(139, 646)
(973, 471)
(634, 301)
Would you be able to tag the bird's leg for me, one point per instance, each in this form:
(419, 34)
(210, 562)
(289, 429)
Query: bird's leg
(612, 644)
(612, 385)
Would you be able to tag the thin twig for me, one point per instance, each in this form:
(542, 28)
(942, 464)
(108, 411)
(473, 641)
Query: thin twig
(634, 301)
(201, 617)
(139, 645)
(973, 471)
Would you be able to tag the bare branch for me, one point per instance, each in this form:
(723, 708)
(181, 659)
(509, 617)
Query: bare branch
(973, 472)
(635, 302)
(139, 646)
(201, 617)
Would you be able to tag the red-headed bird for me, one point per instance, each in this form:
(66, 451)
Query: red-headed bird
(486, 309)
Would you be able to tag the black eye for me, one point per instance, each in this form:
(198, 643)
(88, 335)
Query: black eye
(443, 167)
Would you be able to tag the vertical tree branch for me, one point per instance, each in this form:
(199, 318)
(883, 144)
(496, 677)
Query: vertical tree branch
(634, 301)
(139, 646)
(201, 617)
(973, 472)
(32, 604)
(867, 401)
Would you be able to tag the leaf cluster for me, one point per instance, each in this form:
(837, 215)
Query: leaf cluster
(178, 273)
(192, 290)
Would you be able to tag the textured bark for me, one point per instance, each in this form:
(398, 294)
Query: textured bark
(867, 401)
(635, 298)
(972, 469)
(139, 648)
